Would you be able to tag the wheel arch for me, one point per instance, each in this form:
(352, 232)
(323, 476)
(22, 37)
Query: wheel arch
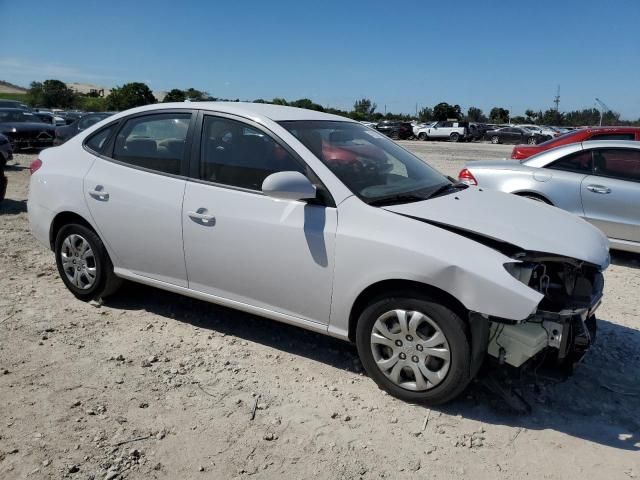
(527, 193)
(64, 218)
(403, 287)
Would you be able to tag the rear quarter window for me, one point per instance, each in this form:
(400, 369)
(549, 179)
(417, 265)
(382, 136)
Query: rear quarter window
(97, 141)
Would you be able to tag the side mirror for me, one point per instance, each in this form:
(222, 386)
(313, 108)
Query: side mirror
(288, 186)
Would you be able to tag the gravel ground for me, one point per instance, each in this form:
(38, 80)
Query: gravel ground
(154, 385)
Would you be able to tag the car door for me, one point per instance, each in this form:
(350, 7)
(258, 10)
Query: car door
(135, 189)
(561, 180)
(611, 196)
(243, 246)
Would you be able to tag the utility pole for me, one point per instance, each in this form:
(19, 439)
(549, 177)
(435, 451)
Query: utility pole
(556, 99)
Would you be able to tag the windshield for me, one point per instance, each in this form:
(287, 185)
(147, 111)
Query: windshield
(373, 167)
(17, 116)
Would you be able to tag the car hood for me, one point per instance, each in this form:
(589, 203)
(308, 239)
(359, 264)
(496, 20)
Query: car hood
(496, 218)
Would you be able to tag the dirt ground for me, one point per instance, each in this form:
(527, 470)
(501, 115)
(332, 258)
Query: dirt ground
(154, 385)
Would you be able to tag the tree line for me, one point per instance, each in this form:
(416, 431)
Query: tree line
(55, 94)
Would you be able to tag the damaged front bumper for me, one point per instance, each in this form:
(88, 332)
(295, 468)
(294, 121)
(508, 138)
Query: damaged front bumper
(564, 324)
(568, 334)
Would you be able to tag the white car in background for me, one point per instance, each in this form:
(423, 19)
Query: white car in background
(541, 129)
(318, 221)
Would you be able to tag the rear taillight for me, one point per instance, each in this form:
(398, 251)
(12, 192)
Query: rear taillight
(35, 165)
(465, 176)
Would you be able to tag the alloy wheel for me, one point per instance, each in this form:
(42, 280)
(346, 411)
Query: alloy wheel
(78, 261)
(410, 349)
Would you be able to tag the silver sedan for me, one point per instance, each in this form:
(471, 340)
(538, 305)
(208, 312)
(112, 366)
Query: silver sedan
(596, 180)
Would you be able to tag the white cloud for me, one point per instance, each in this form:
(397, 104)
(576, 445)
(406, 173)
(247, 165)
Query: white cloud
(12, 67)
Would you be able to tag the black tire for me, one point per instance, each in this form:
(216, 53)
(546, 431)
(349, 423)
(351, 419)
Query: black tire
(454, 329)
(106, 282)
(454, 137)
(423, 136)
(531, 140)
(395, 135)
(495, 140)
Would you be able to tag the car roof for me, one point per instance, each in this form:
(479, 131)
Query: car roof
(544, 157)
(254, 111)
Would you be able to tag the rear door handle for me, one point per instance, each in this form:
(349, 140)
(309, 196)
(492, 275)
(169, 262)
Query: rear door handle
(598, 189)
(99, 193)
(201, 216)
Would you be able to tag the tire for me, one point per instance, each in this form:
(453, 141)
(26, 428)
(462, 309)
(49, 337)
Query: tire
(449, 380)
(454, 137)
(495, 140)
(531, 140)
(71, 241)
(395, 135)
(423, 136)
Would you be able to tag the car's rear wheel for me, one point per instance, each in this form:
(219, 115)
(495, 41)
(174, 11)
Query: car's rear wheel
(422, 136)
(415, 349)
(536, 198)
(454, 137)
(395, 135)
(495, 139)
(83, 263)
(531, 140)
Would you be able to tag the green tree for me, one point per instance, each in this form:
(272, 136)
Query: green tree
(197, 95)
(530, 116)
(130, 95)
(279, 101)
(444, 111)
(519, 120)
(551, 117)
(308, 104)
(364, 109)
(175, 95)
(51, 94)
(475, 114)
(425, 114)
(89, 103)
(499, 115)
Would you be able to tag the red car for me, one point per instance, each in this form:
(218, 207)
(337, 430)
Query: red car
(521, 152)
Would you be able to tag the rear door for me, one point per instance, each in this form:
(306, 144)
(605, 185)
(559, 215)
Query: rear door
(135, 189)
(611, 196)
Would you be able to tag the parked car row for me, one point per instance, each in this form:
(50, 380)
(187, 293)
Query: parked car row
(6, 154)
(27, 129)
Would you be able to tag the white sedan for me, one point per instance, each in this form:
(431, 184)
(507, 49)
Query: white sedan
(318, 221)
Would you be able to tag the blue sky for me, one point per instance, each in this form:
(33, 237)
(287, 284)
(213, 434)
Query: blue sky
(476, 53)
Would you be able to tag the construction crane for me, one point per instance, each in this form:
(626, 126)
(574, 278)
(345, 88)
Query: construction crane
(603, 109)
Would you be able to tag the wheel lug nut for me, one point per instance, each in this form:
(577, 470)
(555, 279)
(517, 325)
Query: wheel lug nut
(402, 356)
(409, 338)
(419, 348)
(415, 359)
(399, 343)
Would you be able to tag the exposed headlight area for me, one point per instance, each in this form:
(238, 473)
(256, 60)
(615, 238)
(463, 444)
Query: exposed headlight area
(564, 321)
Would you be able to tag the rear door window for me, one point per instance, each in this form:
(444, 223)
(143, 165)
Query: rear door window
(580, 162)
(156, 142)
(98, 140)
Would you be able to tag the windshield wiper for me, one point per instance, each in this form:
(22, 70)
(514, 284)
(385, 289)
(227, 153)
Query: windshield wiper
(394, 199)
(445, 188)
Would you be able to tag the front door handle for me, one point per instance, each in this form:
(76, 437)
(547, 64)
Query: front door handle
(598, 189)
(99, 193)
(201, 216)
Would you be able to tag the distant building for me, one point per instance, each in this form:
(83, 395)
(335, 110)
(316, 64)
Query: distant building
(89, 89)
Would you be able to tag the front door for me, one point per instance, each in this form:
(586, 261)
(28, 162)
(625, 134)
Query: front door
(246, 247)
(611, 196)
(135, 196)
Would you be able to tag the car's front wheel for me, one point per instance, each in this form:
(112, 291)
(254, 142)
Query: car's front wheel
(422, 136)
(415, 349)
(531, 140)
(495, 139)
(83, 263)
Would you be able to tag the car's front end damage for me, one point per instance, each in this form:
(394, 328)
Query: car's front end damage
(563, 327)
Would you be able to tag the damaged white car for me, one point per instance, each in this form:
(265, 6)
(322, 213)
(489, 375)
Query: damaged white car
(318, 221)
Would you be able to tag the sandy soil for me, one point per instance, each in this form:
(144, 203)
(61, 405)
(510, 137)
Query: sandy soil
(153, 385)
